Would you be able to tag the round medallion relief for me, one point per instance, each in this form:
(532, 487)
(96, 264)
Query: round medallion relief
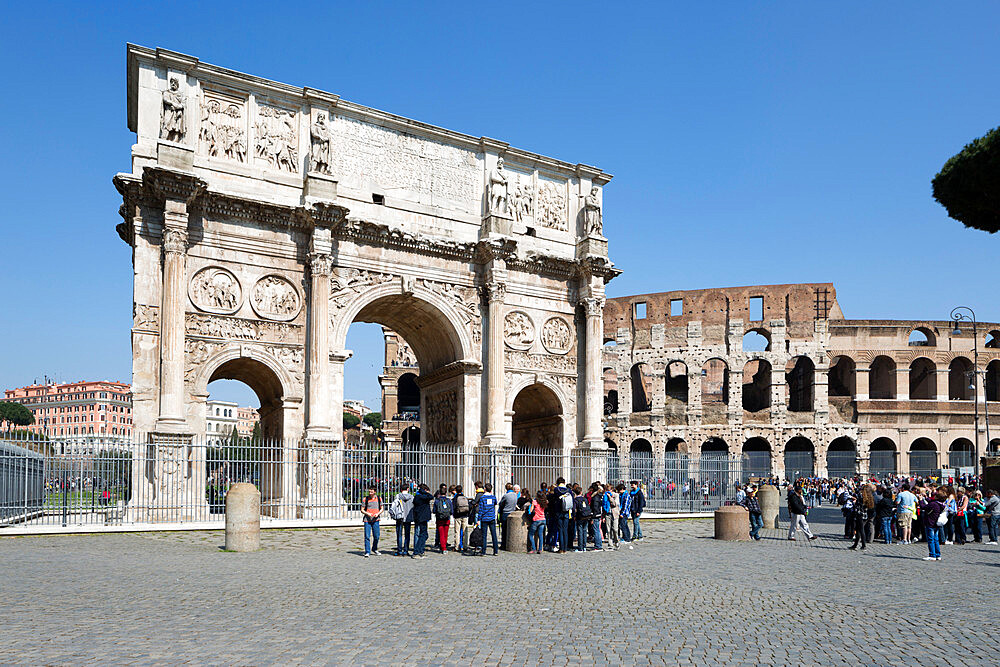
(557, 337)
(518, 330)
(215, 290)
(275, 298)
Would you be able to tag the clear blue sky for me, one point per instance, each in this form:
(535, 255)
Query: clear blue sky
(750, 142)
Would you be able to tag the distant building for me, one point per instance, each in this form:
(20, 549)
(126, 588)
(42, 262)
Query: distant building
(247, 418)
(356, 408)
(221, 417)
(400, 393)
(77, 409)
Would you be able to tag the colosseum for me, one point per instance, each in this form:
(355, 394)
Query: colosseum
(777, 373)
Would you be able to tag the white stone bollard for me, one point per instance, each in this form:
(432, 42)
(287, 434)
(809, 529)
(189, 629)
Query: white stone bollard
(243, 518)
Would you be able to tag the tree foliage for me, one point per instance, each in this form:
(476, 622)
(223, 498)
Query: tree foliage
(374, 419)
(16, 414)
(350, 421)
(968, 185)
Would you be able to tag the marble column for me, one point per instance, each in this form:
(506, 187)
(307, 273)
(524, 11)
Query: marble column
(318, 408)
(494, 292)
(593, 404)
(171, 405)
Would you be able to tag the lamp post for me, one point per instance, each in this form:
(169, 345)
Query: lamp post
(966, 314)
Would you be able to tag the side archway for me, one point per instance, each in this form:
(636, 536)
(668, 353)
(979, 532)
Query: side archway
(757, 461)
(800, 458)
(923, 458)
(882, 461)
(842, 458)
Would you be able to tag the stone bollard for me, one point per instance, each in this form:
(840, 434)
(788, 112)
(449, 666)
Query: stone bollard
(732, 524)
(243, 518)
(517, 533)
(769, 498)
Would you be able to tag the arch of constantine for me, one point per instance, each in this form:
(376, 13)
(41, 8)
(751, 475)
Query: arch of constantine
(777, 373)
(265, 218)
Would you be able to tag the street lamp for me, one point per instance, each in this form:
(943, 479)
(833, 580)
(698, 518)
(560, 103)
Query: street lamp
(966, 314)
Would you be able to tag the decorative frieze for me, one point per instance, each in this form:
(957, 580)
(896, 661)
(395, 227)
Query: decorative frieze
(145, 318)
(552, 205)
(234, 328)
(557, 335)
(277, 137)
(441, 417)
(345, 284)
(223, 126)
(518, 330)
(540, 362)
(275, 298)
(215, 290)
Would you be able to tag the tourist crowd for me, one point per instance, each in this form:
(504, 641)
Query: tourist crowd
(895, 510)
(560, 518)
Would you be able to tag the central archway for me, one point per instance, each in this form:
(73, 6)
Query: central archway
(445, 394)
(537, 434)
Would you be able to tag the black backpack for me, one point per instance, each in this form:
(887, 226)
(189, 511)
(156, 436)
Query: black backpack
(582, 509)
(442, 508)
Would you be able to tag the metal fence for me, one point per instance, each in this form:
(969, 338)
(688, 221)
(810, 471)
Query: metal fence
(695, 483)
(108, 484)
(22, 476)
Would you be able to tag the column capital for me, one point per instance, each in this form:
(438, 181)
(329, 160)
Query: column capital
(494, 291)
(320, 263)
(174, 240)
(592, 306)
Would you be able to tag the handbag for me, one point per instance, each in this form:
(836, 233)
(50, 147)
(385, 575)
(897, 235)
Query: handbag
(942, 519)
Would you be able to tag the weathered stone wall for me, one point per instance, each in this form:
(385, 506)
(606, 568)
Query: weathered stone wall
(798, 321)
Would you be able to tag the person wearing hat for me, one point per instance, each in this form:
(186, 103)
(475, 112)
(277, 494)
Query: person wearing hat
(756, 516)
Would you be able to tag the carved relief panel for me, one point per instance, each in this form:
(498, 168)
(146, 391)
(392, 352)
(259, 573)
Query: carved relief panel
(552, 207)
(442, 417)
(223, 126)
(277, 135)
(557, 335)
(518, 330)
(466, 302)
(275, 298)
(215, 290)
(346, 283)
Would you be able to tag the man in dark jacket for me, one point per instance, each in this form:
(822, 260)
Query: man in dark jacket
(421, 515)
(797, 512)
(597, 513)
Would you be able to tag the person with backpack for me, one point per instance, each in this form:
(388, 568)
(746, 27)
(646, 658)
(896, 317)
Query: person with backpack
(371, 509)
(625, 513)
(401, 511)
(486, 516)
(442, 490)
(508, 505)
(756, 517)
(442, 517)
(460, 519)
(597, 513)
(421, 516)
(564, 510)
(581, 516)
(536, 532)
(638, 505)
(611, 515)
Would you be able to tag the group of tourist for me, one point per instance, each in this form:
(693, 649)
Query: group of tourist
(937, 514)
(896, 511)
(560, 518)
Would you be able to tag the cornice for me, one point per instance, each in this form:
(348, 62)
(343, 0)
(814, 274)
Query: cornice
(160, 184)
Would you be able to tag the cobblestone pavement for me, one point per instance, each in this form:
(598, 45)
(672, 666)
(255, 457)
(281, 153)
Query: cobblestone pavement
(677, 598)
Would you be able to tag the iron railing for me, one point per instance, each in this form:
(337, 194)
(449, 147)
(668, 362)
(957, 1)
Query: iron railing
(107, 483)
